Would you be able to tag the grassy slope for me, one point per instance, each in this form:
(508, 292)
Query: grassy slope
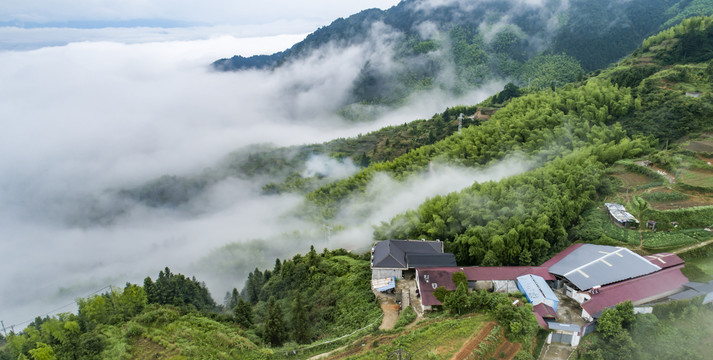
(164, 332)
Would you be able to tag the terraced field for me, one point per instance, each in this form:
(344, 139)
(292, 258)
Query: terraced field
(697, 177)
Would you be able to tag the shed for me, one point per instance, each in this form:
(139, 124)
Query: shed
(621, 216)
(544, 311)
(650, 224)
(537, 291)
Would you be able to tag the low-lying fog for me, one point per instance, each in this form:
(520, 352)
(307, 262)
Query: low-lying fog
(89, 117)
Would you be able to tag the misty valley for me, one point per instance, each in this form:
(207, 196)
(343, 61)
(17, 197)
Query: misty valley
(520, 179)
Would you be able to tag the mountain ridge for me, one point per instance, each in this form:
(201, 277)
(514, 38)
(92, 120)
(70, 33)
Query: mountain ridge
(482, 41)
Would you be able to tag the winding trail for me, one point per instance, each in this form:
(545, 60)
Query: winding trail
(467, 349)
(691, 247)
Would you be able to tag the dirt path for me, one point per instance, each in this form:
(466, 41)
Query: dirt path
(325, 355)
(687, 248)
(391, 315)
(671, 179)
(470, 345)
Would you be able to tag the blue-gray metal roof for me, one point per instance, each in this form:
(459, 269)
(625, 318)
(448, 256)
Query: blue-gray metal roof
(566, 327)
(536, 289)
(708, 299)
(620, 213)
(595, 265)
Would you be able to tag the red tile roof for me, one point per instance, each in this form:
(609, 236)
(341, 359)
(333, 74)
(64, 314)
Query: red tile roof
(442, 276)
(555, 259)
(637, 289)
(541, 321)
(664, 260)
(544, 311)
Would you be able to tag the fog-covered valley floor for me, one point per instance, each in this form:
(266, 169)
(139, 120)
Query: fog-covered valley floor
(83, 120)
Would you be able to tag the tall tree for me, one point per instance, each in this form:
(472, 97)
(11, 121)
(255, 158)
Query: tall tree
(274, 332)
(243, 313)
(300, 322)
(233, 299)
(459, 278)
(457, 301)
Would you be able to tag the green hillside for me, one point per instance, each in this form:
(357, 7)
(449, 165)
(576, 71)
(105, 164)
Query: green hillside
(638, 132)
(538, 44)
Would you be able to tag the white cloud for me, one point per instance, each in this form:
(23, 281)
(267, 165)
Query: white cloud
(385, 197)
(211, 12)
(85, 118)
(246, 40)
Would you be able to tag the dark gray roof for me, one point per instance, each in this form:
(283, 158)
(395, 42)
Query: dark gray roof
(386, 255)
(694, 289)
(430, 260)
(392, 253)
(700, 287)
(596, 265)
(683, 295)
(559, 326)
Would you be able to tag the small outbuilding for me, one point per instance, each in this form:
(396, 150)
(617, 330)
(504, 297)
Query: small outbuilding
(622, 217)
(537, 291)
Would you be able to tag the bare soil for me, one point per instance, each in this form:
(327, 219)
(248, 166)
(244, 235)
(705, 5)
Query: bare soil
(391, 316)
(508, 349)
(471, 344)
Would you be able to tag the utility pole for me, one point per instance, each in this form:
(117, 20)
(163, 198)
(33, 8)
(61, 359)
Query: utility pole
(3, 328)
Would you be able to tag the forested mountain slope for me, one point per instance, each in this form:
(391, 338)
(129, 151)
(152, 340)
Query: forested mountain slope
(457, 45)
(450, 46)
(570, 134)
(574, 132)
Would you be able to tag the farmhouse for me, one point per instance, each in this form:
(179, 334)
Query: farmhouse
(391, 258)
(496, 278)
(596, 276)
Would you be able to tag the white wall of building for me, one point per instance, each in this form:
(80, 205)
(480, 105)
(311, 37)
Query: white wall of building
(384, 273)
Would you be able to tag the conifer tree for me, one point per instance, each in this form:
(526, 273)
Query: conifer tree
(243, 313)
(300, 322)
(274, 332)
